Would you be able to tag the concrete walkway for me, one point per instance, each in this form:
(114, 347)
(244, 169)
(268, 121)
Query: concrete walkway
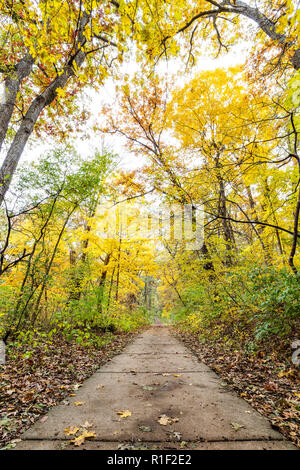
(155, 379)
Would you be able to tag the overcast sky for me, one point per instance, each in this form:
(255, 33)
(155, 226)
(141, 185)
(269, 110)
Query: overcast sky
(94, 102)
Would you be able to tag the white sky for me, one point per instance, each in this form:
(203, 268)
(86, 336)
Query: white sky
(94, 102)
(108, 96)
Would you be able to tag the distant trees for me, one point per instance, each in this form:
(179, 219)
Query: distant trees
(55, 262)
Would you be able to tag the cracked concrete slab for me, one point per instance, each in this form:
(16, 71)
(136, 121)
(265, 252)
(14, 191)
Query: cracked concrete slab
(154, 376)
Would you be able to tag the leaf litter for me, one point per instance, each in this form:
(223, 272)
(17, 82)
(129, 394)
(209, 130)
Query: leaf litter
(30, 386)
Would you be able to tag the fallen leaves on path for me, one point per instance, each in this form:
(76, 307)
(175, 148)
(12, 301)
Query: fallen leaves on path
(145, 428)
(177, 434)
(87, 425)
(85, 434)
(164, 420)
(134, 446)
(30, 386)
(237, 426)
(79, 403)
(79, 440)
(71, 431)
(124, 414)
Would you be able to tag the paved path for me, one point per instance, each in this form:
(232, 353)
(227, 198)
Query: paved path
(155, 376)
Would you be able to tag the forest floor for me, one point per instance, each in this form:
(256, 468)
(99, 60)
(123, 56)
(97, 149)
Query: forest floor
(154, 395)
(36, 378)
(267, 380)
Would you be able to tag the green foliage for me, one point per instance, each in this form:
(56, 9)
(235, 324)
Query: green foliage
(84, 312)
(243, 308)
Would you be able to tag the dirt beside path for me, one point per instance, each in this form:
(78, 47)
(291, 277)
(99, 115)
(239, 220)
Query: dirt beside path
(154, 395)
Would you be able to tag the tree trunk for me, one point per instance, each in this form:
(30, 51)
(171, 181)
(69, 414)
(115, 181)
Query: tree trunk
(37, 105)
(101, 283)
(222, 211)
(49, 266)
(12, 82)
(295, 237)
(110, 289)
(118, 271)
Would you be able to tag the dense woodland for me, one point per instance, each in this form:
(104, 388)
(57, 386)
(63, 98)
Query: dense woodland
(227, 137)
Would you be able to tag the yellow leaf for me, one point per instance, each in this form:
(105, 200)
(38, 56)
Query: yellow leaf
(71, 431)
(285, 373)
(164, 420)
(124, 414)
(80, 439)
(79, 403)
(87, 425)
(88, 434)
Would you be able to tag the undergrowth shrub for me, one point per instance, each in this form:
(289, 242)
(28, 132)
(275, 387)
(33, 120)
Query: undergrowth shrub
(245, 308)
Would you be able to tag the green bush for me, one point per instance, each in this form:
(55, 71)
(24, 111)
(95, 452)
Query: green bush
(243, 309)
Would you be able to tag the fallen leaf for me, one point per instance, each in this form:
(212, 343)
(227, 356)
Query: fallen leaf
(87, 425)
(177, 375)
(89, 434)
(164, 420)
(237, 426)
(79, 403)
(71, 431)
(125, 447)
(5, 422)
(145, 428)
(124, 414)
(99, 387)
(271, 386)
(80, 439)
(76, 386)
(284, 373)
